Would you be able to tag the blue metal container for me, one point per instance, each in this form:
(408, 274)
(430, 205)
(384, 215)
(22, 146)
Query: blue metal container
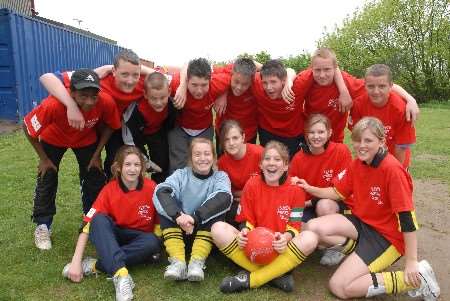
(30, 48)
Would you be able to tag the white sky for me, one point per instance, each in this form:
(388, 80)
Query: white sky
(171, 32)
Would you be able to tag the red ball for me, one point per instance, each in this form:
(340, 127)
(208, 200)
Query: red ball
(259, 247)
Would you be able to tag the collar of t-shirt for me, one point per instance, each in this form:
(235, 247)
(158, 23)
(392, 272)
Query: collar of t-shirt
(203, 177)
(125, 188)
(382, 153)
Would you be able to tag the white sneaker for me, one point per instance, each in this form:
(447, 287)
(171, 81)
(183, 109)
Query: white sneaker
(331, 257)
(176, 270)
(87, 266)
(42, 237)
(429, 288)
(195, 270)
(124, 287)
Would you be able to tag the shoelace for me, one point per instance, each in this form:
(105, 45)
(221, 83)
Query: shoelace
(125, 286)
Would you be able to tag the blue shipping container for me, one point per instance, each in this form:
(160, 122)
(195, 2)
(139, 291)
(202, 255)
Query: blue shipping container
(30, 48)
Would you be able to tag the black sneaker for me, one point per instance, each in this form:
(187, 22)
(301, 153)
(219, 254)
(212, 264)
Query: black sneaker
(284, 283)
(234, 284)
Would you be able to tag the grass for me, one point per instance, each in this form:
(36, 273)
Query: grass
(29, 274)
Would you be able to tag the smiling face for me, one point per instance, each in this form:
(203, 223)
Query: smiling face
(367, 146)
(323, 70)
(378, 89)
(131, 170)
(317, 136)
(273, 166)
(234, 143)
(86, 98)
(202, 158)
(126, 76)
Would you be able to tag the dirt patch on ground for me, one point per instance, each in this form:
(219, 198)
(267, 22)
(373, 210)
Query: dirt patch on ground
(7, 127)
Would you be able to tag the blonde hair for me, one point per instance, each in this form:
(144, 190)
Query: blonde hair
(317, 118)
(280, 148)
(325, 53)
(198, 141)
(119, 159)
(373, 124)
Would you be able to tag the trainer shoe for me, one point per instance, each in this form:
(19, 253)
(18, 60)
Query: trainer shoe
(195, 270)
(429, 288)
(124, 287)
(87, 266)
(331, 257)
(42, 237)
(234, 284)
(176, 270)
(284, 283)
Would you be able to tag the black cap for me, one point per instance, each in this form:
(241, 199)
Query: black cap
(84, 78)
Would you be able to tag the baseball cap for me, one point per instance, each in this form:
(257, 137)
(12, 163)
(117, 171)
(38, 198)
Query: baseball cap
(84, 78)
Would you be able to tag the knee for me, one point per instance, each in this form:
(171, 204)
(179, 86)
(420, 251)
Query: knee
(151, 243)
(312, 225)
(222, 234)
(325, 207)
(337, 288)
(306, 241)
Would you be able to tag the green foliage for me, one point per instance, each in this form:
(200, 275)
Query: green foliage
(411, 36)
(299, 62)
(261, 57)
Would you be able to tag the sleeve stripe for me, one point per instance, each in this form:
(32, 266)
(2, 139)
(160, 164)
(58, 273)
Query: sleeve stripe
(407, 221)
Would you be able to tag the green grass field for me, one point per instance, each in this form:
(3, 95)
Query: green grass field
(30, 274)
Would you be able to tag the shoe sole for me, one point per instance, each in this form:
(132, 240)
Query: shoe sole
(174, 277)
(195, 278)
(433, 284)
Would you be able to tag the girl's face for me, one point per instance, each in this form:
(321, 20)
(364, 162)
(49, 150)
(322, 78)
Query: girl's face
(234, 142)
(317, 136)
(202, 158)
(368, 146)
(131, 170)
(273, 167)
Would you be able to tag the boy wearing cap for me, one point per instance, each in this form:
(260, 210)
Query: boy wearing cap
(48, 131)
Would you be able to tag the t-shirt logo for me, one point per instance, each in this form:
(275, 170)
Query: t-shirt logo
(91, 122)
(290, 107)
(333, 103)
(388, 132)
(90, 78)
(342, 174)
(375, 194)
(144, 212)
(283, 212)
(35, 123)
(327, 175)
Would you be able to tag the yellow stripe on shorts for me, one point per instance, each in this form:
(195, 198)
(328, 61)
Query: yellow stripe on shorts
(385, 260)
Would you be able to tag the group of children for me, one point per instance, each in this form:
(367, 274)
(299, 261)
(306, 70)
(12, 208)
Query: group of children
(300, 181)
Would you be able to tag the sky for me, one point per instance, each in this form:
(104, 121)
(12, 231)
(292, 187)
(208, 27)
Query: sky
(171, 32)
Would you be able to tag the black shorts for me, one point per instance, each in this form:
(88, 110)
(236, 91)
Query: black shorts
(375, 250)
(310, 212)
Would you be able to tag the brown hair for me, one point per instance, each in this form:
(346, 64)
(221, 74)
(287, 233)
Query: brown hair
(373, 124)
(226, 127)
(201, 140)
(317, 118)
(325, 53)
(155, 80)
(379, 70)
(280, 148)
(119, 159)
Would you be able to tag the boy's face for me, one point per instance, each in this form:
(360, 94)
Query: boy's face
(198, 86)
(240, 83)
(157, 98)
(272, 86)
(86, 99)
(323, 71)
(378, 88)
(126, 76)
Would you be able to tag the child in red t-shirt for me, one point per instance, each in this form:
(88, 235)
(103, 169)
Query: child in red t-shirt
(381, 102)
(268, 200)
(121, 225)
(240, 161)
(48, 131)
(381, 227)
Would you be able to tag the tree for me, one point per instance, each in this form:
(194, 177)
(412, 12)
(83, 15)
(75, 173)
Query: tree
(411, 36)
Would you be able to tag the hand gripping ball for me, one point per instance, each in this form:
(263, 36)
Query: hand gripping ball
(259, 247)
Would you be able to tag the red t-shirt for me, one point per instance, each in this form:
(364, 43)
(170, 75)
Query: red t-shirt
(325, 100)
(240, 108)
(275, 115)
(153, 120)
(48, 121)
(398, 131)
(379, 193)
(319, 170)
(273, 207)
(196, 113)
(131, 210)
(121, 98)
(239, 171)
